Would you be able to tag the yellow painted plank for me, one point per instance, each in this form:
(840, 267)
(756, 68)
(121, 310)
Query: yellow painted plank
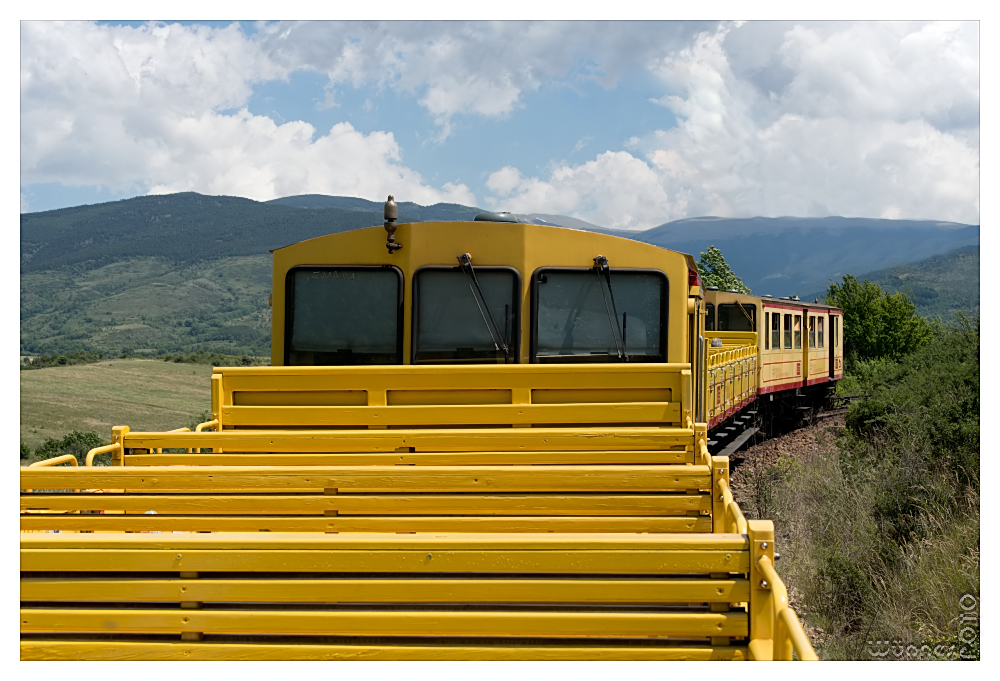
(146, 523)
(552, 560)
(458, 541)
(401, 504)
(391, 623)
(624, 457)
(579, 591)
(415, 377)
(541, 478)
(122, 650)
(458, 414)
(437, 440)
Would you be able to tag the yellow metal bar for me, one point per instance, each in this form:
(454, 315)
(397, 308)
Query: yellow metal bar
(735, 521)
(437, 440)
(578, 591)
(392, 623)
(460, 414)
(797, 635)
(175, 430)
(55, 461)
(545, 560)
(625, 457)
(788, 633)
(214, 424)
(459, 541)
(402, 504)
(128, 650)
(340, 523)
(542, 478)
(106, 449)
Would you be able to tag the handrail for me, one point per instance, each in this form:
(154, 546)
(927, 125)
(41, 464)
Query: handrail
(54, 461)
(185, 429)
(114, 447)
(733, 511)
(787, 630)
(213, 424)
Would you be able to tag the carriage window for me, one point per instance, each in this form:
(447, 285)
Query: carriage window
(737, 317)
(776, 331)
(812, 331)
(575, 316)
(709, 317)
(450, 322)
(343, 315)
(819, 332)
(788, 332)
(767, 330)
(798, 331)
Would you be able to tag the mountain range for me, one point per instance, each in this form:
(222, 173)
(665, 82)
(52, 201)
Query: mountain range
(171, 272)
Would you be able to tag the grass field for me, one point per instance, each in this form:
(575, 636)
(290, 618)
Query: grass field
(141, 394)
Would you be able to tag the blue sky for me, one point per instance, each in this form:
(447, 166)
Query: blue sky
(624, 124)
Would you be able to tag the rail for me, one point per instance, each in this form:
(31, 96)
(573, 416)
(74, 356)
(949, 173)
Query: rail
(97, 451)
(787, 630)
(734, 521)
(175, 430)
(54, 461)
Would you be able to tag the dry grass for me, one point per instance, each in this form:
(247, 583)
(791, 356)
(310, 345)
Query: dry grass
(141, 394)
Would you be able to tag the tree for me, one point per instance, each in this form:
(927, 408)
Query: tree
(715, 272)
(877, 324)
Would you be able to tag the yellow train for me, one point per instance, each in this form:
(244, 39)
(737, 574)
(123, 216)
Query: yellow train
(477, 440)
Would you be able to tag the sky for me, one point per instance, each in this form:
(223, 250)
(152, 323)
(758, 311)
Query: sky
(624, 124)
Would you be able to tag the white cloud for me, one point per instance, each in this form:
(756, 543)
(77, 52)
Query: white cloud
(872, 119)
(150, 108)
(468, 68)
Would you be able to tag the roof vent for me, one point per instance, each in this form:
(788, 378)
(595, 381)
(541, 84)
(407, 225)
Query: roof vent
(487, 216)
(794, 298)
(711, 288)
(731, 290)
(767, 295)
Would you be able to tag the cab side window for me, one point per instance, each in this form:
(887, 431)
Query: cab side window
(710, 317)
(812, 331)
(776, 331)
(788, 332)
(819, 332)
(797, 325)
(767, 330)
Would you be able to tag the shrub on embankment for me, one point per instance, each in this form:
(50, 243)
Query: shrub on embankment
(880, 531)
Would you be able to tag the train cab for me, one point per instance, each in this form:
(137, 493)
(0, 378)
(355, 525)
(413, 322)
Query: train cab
(480, 292)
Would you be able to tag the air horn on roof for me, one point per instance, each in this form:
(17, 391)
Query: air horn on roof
(391, 215)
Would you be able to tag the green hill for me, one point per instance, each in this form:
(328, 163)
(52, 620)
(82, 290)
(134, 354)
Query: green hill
(940, 286)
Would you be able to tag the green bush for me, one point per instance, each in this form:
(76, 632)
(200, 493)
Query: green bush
(77, 443)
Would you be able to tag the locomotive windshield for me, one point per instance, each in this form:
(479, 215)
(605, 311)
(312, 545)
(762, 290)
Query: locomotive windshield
(343, 315)
(573, 322)
(451, 324)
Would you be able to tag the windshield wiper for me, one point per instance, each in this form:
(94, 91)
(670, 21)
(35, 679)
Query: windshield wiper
(499, 340)
(601, 266)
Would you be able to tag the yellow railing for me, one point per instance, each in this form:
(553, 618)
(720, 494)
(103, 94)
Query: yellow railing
(97, 451)
(732, 376)
(159, 450)
(734, 520)
(787, 630)
(55, 461)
